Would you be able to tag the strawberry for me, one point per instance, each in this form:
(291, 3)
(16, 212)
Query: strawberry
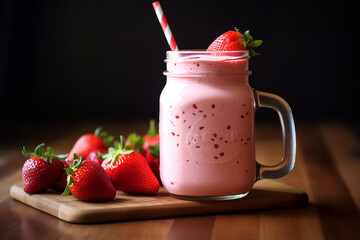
(153, 159)
(88, 181)
(129, 170)
(41, 170)
(235, 41)
(60, 184)
(151, 149)
(151, 138)
(96, 156)
(91, 142)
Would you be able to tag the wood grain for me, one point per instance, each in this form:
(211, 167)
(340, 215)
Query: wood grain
(330, 193)
(344, 148)
(327, 167)
(265, 194)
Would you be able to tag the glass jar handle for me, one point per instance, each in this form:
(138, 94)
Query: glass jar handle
(269, 100)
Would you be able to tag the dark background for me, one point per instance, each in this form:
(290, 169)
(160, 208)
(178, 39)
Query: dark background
(92, 60)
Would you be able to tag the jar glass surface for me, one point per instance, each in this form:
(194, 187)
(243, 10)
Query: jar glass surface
(207, 124)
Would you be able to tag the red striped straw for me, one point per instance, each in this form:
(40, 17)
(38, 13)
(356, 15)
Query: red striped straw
(165, 26)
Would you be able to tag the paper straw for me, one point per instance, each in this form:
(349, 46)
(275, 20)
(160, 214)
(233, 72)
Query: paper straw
(165, 26)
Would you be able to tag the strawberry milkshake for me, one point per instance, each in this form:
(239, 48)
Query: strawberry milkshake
(207, 125)
(207, 111)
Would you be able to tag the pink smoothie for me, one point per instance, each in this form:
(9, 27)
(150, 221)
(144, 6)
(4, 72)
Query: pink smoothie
(207, 127)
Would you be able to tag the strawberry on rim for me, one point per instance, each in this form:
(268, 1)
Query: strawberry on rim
(235, 41)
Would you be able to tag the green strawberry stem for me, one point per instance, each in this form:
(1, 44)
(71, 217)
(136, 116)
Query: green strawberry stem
(249, 42)
(39, 151)
(97, 131)
(100, 156)
(104, 136)
(118, 149)
(73, 166)
(136, 142)
(152, 132)
(155, 150)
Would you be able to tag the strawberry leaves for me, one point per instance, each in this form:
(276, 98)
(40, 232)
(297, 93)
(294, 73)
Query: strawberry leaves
(152, 132)
(135, 142)
(118, 149)
(39, 151)
(155, 150)
(249, 42)
(73, 166)
(104, 136)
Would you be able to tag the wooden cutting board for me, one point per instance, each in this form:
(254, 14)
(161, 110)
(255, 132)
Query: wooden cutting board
(266, 194)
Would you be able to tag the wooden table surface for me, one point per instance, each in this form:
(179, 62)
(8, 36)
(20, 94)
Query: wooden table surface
(327, 168)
